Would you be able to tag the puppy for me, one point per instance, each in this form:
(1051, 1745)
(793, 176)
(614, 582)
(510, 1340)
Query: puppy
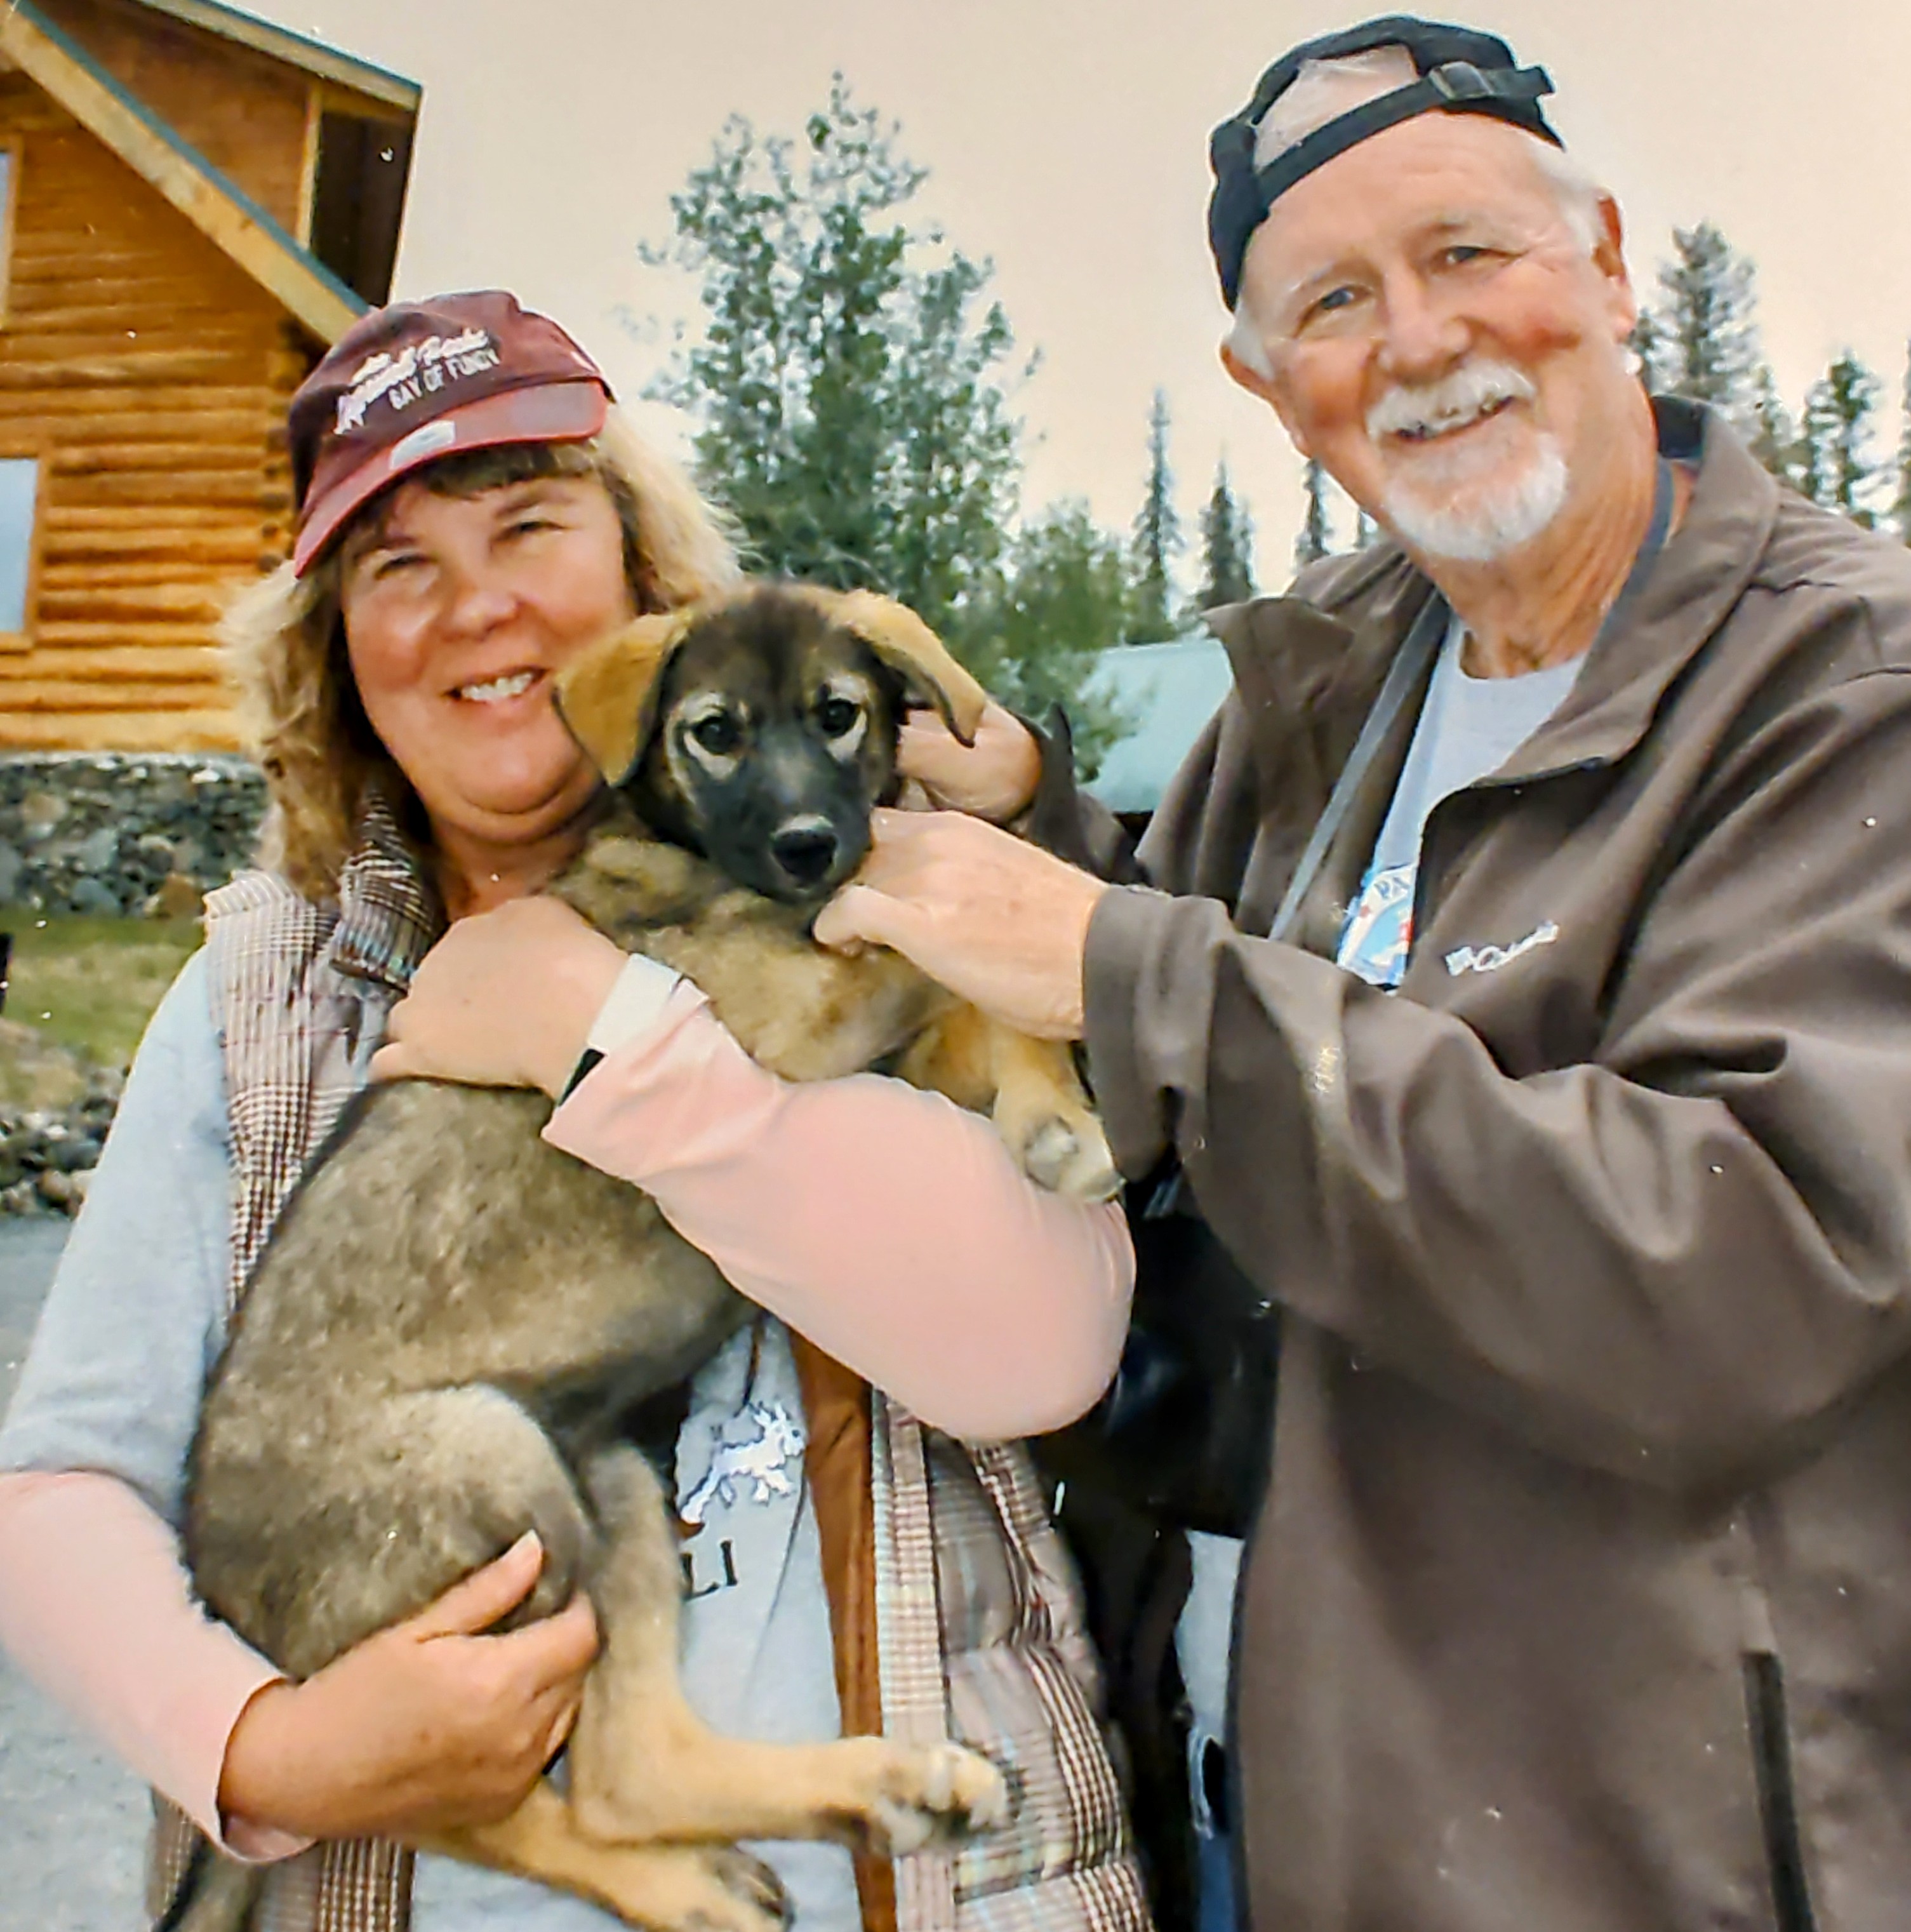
(451, 1316)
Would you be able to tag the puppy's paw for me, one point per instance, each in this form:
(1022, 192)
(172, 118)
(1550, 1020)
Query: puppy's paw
(1071, 1157)
(745, 1895)
(930, 1796)
(685, 1889)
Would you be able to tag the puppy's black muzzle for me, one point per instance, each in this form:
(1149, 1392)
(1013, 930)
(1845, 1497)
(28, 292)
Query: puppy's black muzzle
(804, 854)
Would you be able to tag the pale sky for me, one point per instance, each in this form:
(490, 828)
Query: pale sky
(1068, 141)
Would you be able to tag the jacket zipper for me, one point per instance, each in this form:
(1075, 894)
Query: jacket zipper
(1778, 1809)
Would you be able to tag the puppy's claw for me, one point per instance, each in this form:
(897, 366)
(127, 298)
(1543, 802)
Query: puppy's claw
(1073, 1159)
(936, 1795)
(747, 1896)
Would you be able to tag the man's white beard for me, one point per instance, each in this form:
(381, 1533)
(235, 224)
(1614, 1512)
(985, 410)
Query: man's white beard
(1499, 515)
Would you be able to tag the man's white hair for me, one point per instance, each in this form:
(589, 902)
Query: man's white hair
(1323, 90)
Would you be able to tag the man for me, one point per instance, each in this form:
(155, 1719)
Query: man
(1580, 1594)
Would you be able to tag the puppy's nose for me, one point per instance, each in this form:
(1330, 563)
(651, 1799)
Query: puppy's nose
(804, 850)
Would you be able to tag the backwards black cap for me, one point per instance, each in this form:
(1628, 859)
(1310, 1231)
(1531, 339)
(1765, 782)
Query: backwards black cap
(1461, 72)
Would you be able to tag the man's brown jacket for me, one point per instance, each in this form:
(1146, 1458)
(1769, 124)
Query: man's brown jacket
(1580, 1598)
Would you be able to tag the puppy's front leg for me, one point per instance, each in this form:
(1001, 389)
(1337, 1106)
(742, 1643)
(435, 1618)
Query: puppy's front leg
(645, 1768)
(1031, 1089)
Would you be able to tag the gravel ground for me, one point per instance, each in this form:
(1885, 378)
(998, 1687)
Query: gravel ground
(72, 1823)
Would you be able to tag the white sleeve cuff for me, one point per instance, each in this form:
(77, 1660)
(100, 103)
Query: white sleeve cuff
(634, 1004)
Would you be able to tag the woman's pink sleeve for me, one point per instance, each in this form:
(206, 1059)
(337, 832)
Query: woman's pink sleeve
(888, 1226)
(96, 1608)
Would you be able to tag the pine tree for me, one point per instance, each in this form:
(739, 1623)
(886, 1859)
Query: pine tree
(848, 380)
(1063, 600)
(1316, 537)
(1775, 437)
(1813, 464)
(1840, 413)
(1227, 547)
(1648, 346)
(1707, 328)
(1901, 509)
(1157, 539)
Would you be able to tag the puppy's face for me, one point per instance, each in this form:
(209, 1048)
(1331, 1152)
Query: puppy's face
(774, 735)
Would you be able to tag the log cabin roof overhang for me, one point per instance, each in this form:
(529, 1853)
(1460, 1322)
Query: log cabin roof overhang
(230, 219)
(391, 90)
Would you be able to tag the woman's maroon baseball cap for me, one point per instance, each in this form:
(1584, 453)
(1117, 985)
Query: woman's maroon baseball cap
(413, 382)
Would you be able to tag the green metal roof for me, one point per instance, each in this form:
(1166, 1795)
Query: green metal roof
(1170, 690)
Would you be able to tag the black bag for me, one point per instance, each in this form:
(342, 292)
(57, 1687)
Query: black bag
(1183, 1432)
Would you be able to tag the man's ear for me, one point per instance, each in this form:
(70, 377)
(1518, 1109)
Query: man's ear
(1609, 259)
(1256, 384)
(608, 696)
(902, 641)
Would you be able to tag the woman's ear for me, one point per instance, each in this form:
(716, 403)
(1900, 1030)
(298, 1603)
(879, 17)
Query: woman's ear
(608, 696)
(902, 641)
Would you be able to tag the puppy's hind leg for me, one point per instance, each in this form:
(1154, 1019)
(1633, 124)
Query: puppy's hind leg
(661, 1888)
(645, 1767)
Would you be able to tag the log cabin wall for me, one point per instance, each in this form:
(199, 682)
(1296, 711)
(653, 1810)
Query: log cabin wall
(149, 376)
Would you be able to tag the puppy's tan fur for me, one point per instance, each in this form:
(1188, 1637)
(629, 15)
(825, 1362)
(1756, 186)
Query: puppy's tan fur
(451, 1317)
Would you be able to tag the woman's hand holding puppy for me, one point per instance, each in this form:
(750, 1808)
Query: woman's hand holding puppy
(429, 1724)
(505, 999)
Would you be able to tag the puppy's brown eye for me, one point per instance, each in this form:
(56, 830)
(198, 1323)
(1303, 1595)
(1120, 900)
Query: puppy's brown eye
(837, 715)
(717, 734)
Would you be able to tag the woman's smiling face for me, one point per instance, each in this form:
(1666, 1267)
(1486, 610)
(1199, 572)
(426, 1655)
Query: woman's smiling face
(458, 612)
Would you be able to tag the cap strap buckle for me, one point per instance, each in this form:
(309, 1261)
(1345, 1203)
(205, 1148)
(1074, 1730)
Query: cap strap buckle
(1460, 80)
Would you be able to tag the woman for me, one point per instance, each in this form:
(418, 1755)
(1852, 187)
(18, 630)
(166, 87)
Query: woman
(471, 513)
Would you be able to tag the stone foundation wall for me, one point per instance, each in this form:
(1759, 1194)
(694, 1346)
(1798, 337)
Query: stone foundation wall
(116, 832)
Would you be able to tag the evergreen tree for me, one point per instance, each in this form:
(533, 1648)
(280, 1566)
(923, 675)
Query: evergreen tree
(1157, 539)
(1703, 340)
(1649, 345)
(1812, 464)
(1901, 509)
(1774, 437)
(1840, 413)
(1227, 547)
(1316, 536)
(1063, 600)
(848, 379)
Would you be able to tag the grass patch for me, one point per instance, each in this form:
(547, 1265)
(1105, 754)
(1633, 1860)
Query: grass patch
(91, 984)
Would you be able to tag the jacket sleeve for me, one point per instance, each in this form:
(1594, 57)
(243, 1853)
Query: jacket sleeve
(1675, 1264)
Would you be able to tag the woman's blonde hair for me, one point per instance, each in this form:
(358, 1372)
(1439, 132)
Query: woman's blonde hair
(284, 639)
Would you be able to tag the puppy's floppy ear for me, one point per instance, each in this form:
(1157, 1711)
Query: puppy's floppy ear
(608, 696)
(901, 641)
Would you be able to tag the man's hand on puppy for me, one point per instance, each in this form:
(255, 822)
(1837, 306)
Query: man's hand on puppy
(429, 1724)
(998, 921)
(505, 999)
(994, 779)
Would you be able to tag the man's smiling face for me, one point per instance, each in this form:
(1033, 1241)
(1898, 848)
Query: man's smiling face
(1441, 332)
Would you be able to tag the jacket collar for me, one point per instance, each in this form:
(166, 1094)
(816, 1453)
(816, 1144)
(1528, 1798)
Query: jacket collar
(1700, 575)
(388, 917)
(1309, 665)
